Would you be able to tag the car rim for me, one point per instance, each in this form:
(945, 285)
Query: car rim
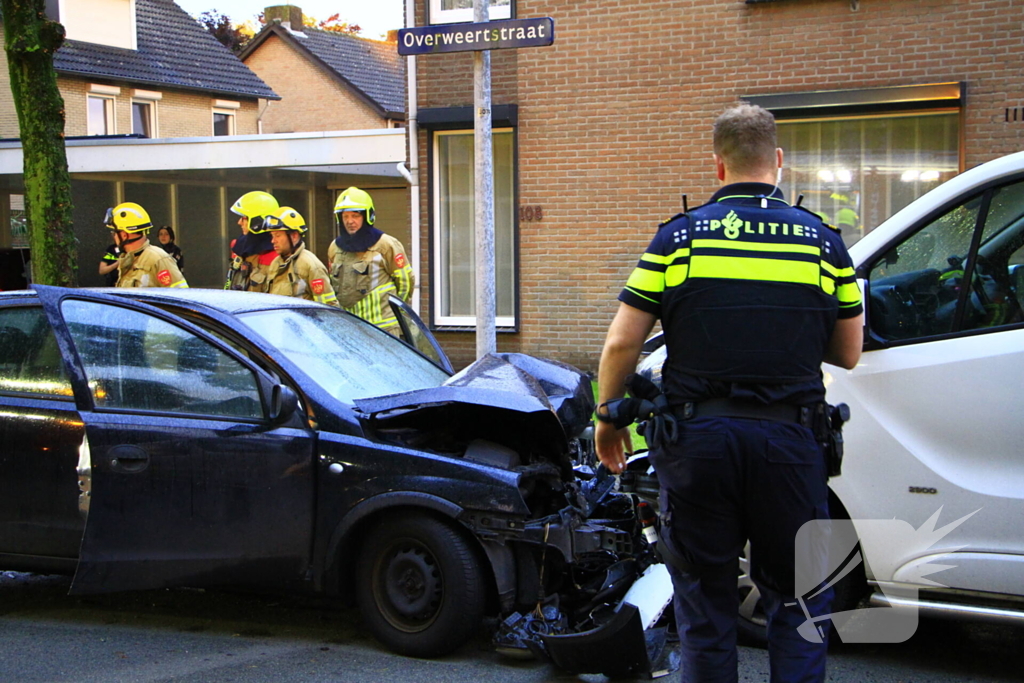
(409, 587)
(750, 597)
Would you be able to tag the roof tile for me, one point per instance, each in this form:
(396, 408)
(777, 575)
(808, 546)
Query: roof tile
(173, 50)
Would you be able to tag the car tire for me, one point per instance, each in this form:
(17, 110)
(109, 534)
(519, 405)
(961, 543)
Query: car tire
(752, 624)
(419, 586)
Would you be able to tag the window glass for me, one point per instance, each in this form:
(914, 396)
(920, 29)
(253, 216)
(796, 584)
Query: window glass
(223, 123)
(451, 11)
(135, 361)
(19, 222)
(996, 296)
(101, 115)
(414, 336)
(916, 287)
(455, 244)
(348, 358)
(856, 172)
(142, 118)
(30, 361)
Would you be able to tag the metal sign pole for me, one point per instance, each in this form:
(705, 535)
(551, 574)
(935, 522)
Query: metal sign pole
(483, 156)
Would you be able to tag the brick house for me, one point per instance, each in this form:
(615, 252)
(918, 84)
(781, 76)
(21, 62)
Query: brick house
(333, 81)
(160, 113)
(599, 135)
(144, 67)
(326, 80)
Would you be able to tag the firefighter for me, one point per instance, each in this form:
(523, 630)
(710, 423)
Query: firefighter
(253, 252)
(366, 264)
(140, 264)
(753, 294)
(296, 271)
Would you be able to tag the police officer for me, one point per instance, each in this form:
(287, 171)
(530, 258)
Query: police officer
(366, 264)
(253, 252)
(140, 264)
(753, 295)
(296, 271)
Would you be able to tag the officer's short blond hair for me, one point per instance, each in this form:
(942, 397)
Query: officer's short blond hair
(745, 139)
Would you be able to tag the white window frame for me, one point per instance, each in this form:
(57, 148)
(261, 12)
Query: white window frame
(455, 16)
(228, 108)
(150, 98)
(108, 110)
(230, 113)
(439, 279)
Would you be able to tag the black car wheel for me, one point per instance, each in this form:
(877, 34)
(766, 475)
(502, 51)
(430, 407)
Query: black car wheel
(753, 622)
(419, 586)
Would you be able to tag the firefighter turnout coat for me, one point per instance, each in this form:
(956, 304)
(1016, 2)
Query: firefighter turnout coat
(363, 280)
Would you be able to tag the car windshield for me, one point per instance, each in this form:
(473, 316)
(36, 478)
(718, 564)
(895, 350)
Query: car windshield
(346, 357)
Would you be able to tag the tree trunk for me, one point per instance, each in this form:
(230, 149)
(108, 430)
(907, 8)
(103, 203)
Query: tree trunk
(31, 40)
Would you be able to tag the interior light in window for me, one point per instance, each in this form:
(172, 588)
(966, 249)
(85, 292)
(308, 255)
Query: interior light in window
(909, 176)
(930, 176)
(844, 175)
(826, 176)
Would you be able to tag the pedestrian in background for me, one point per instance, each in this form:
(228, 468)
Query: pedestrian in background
(165, 235)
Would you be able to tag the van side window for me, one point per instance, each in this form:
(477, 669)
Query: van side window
(946, 278)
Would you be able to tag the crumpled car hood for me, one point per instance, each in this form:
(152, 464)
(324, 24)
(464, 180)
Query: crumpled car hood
(530, 405)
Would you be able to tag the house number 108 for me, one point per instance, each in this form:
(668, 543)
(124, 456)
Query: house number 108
(531, 213)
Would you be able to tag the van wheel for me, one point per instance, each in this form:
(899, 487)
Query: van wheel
(752, 624)
(419, 586)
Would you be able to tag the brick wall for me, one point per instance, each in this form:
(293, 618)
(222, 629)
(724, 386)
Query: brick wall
(311, 100)
(621, 106)
(178, 113)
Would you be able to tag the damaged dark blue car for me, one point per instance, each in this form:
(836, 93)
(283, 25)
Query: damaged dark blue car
(158, 438)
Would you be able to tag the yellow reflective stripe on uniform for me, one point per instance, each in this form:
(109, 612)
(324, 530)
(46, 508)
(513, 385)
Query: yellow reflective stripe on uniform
(647, 280)
(657, 258)
(756, 246)
(180, 284)
(848, 294)
(768, 270)
(828, 285)
(676, 275)
(403, 280)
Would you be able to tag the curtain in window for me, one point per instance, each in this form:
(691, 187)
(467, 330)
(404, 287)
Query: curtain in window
(856, 172)
(456, 251)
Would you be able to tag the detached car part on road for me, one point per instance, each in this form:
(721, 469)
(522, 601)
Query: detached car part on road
(157, 438)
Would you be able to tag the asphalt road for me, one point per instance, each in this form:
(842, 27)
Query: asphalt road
(199, 636)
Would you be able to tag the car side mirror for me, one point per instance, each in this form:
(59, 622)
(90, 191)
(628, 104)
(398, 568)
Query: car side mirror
(283, 404)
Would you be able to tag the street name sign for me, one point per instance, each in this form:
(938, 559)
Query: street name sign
(490, 35)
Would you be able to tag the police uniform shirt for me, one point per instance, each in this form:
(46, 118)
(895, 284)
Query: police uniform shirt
(301, 275)
(110, 257)
(748, 289)
(150, 266)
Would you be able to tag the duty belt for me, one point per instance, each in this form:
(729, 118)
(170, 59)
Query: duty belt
(731, 407)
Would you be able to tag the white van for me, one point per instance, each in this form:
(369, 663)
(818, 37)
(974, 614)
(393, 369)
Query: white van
(935, 433)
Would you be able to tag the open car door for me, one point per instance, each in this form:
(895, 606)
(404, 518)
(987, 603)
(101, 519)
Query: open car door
(416, 334)
(197, 467)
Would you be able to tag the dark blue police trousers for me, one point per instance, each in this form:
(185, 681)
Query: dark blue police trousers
(726, 481)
